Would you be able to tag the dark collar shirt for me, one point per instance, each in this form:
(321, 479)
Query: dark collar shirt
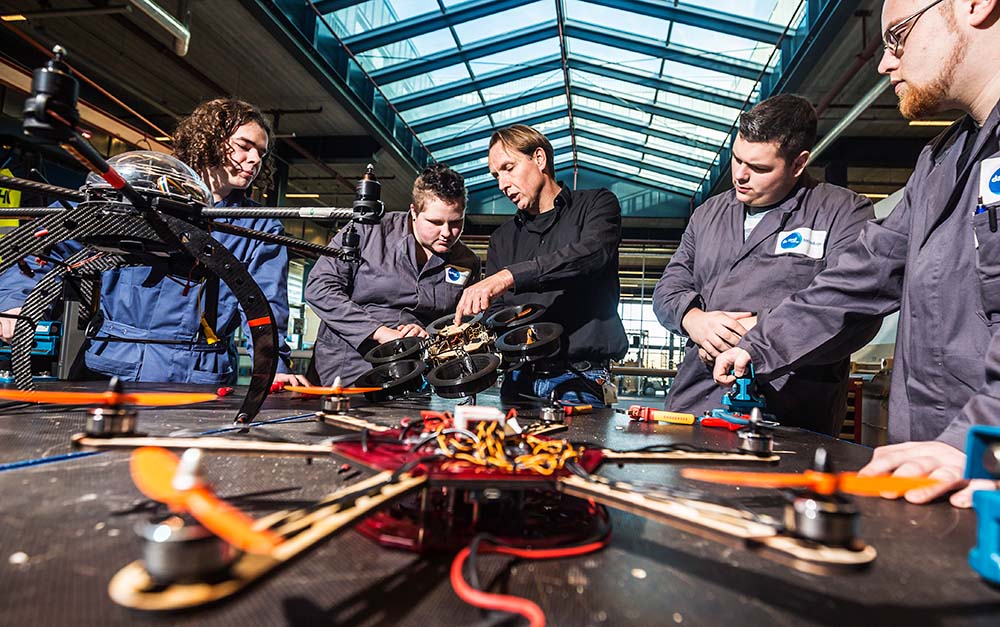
(387, 288)
(936, 260)
(566, 260)
(715, 269)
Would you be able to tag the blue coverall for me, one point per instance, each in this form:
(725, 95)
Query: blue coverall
(135, 311)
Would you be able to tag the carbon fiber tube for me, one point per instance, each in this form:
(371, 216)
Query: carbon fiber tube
(322, 213)
(24, 185)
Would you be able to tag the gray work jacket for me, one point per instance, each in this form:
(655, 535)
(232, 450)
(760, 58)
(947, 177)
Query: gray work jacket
(385, 288)
(715, 270)
(923, 260)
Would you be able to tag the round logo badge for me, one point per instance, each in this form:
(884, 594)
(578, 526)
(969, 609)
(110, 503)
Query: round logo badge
(453, 274)
(995, 182)
(792, 240)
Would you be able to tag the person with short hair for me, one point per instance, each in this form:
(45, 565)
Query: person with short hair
(746, 250)
(560, 252)
(153, 326)
(935, 258)
(412, 271)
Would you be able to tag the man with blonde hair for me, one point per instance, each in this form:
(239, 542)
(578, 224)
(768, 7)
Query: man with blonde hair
(559, 251)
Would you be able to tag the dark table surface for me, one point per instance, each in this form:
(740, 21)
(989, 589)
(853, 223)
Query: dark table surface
(66, 521)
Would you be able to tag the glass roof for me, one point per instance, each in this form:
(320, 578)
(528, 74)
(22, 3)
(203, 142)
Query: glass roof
(642, 91)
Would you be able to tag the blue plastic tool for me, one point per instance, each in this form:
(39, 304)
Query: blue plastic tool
(983, 462)
(740, 400)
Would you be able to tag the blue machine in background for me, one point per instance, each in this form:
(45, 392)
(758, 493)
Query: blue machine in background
(983, 462)
(47, 337)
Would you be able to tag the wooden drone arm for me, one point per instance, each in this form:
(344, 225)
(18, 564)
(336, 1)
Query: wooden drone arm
(304, 528)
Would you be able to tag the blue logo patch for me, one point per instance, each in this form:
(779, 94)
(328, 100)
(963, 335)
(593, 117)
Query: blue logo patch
(454, 275)
(791, 241)
(995, 182)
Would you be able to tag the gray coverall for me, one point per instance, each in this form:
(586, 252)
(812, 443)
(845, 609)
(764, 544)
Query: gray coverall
(923, 260)
(385, 288)
(715, 270)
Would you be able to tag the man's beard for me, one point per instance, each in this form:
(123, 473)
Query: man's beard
(920, 101)
(925, 100)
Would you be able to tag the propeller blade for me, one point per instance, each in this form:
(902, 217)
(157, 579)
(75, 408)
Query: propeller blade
(330, 391)
(753, 479)
(820, 482)
(160, 399)
(153, 471)
(875, 485)
(166, 399)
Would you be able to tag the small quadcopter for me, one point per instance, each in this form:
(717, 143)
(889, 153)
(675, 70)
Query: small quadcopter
(477, 479)
(461, 360)
(145, 209)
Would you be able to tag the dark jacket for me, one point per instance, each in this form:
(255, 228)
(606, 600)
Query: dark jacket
(566, 260)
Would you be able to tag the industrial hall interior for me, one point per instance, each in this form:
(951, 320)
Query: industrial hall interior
(499, 313)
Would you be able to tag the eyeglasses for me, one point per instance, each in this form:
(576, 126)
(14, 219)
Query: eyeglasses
(894, 36)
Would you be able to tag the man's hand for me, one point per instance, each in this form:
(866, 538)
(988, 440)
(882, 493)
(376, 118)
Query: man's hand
(705, 358)
(7, 325)
(290, 379)
(715, 331)
(477, 297)
(735, 359)
(412, 330)
(384, 334)
(936, 460)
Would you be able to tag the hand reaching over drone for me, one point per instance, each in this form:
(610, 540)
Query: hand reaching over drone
(477, 297)
(290, 378)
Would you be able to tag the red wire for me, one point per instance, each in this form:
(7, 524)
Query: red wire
(506, 602)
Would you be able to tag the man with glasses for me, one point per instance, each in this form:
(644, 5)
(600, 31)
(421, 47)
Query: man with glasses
(935, 259)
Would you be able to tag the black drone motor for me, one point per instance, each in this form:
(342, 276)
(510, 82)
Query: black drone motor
(368, 209)
(51, 112)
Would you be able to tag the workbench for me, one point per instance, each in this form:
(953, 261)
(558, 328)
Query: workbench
(67, 519)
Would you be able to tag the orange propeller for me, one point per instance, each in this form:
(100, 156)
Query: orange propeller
(158, 399)
(819, 482)
(330, 391)
(153, 471)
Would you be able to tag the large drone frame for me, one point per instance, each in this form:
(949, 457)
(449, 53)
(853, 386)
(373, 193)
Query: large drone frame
(123, 226)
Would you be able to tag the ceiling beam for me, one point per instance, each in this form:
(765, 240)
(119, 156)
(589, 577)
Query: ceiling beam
(652, 167)
(671, 52)
(700, 92)
(494, 106)
(561, 23)
(640, 148)
(483, 134)
(662, 110)
(699, 17)
(329, 6)
(446, 58)
(629, 125)
(428, 23)
(485, 81)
